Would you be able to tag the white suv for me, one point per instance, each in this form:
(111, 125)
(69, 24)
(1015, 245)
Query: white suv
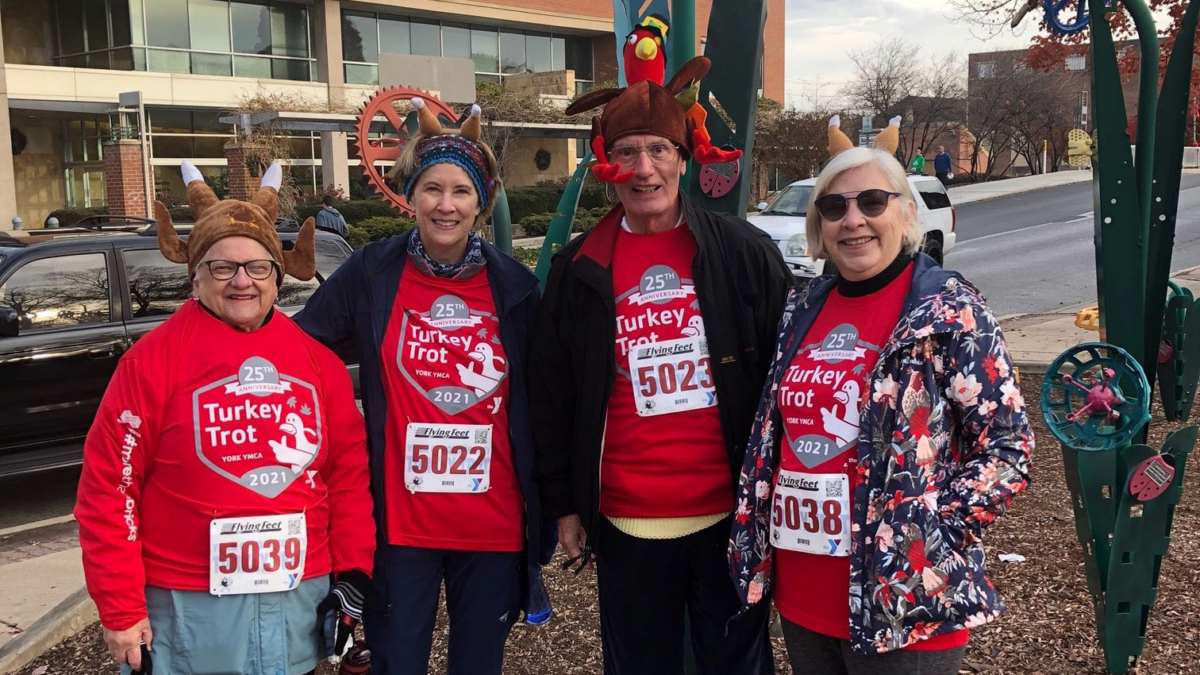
(783, 219)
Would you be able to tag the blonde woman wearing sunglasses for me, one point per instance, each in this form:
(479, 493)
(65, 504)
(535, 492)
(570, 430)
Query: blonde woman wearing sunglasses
(889, 435)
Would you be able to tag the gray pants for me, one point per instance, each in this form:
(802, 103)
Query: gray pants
(812, 653)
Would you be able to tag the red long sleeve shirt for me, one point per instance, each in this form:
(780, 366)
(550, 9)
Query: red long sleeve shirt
(203, 421)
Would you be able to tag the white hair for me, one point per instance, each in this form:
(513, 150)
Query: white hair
(855, 158)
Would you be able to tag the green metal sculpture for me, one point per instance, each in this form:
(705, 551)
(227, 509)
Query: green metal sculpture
(1096, 396)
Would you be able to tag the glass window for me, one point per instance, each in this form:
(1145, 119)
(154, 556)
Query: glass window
(558, 53)
(211, 64)
(289, 69)
(212, 147)
(157, 287)
(793, 201)
(122, 59)
(485, 50)
(172, 146)
(579, 57)
(136, 23)
(167, 26)
(456, 42)
(69, 290)
(289, 32)
(168, 62)
(96, 195)
(251, 28)
(252, 66)
(208, 122)
(360, 74)
(70, 27)
(170, 121)
(494, 79)
(139, 59)
(359, 37)
(393, 36)
(209, 21)
(97, 60)
(933, 194)
(119, 13)
(426, 38)
(1073, 62)
(97, 24)
(537, 54)
(985, 70)
(512, 53)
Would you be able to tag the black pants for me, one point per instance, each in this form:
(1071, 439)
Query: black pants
(483, 600)
(944, 177)
(646, 586)
(812, 653)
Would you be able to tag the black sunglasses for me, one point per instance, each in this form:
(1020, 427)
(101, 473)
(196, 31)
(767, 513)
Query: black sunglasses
(834, 206)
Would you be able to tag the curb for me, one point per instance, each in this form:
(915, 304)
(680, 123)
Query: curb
(1010, 194)
(66, 619)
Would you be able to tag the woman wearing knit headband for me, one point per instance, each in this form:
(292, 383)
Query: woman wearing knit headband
(442, 319)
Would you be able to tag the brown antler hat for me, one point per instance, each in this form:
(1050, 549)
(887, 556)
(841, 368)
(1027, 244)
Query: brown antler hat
(217, 219)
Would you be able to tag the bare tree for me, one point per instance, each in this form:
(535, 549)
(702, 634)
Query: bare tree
(1043, 116)
(938, 106)
(885, 73)
(1003, 115)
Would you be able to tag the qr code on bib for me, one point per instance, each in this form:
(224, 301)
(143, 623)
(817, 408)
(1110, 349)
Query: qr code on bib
(833, 488)
(294, 528)
(703, 347)
(481, 435)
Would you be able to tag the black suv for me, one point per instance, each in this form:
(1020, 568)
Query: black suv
(72, 301)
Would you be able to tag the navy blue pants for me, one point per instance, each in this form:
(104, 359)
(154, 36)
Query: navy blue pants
(646, 588)
(483, 600)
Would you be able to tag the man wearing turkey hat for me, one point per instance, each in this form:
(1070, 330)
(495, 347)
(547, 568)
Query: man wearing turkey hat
(225, 476)
(651, 348)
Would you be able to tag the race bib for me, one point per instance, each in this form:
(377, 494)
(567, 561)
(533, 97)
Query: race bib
(811, 513)
(258, 554)
(671, 376)
(448, 457)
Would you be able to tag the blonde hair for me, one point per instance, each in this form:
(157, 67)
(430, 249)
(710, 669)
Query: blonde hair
(848, 160)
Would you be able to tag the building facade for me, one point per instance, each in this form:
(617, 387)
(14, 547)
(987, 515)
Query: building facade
(64, 63)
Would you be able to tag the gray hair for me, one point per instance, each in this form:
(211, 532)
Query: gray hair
(855, 158)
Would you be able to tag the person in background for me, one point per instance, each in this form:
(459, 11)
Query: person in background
(943, 165)
(917, 165)
(330, 220)
(890, 434)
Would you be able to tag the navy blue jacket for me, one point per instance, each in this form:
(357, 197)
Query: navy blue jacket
(941, 163)
(356, 302)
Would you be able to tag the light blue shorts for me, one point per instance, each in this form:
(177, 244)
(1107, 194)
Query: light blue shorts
(196, 633)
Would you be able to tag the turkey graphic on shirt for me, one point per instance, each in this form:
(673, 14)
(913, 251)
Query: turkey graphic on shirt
(449, 354)
(260, 428)
(663, 306)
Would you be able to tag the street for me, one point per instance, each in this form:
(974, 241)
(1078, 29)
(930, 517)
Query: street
(1033, 252)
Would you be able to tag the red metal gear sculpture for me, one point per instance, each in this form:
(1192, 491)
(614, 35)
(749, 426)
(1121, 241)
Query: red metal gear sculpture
(388, 148)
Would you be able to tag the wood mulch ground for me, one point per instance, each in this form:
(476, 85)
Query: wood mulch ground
(1048, 630)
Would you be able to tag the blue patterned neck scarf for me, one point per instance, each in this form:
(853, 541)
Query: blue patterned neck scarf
(471, 264)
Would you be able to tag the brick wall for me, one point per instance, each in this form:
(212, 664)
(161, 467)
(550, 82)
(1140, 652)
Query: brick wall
(241, 184)
(773, 43)
(602, 9)
(124, 181)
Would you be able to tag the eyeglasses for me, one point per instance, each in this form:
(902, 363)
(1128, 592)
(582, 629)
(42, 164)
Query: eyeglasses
(659, 153)
(224, 270)
(834, 206)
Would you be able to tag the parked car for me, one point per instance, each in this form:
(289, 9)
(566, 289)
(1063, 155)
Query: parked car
(783, 218)
(72, 301)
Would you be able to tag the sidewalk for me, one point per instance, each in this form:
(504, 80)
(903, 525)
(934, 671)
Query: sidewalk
(1035, 340)
(978, 192)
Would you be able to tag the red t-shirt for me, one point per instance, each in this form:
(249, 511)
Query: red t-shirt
(819, 400)
(670, 460)
(202, 421)
(444, 364)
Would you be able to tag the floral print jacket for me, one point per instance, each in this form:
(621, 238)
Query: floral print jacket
(943, 446)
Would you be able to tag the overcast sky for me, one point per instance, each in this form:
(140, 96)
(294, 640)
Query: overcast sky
(820, 33)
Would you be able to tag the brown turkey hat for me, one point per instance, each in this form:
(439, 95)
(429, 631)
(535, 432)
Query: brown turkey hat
(217, 219)
(644, 108)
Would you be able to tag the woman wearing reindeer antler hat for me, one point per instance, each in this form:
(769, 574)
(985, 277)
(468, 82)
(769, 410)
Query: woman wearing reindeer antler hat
(889, 436)
(225, 477)
(652, 345)
(442, 321)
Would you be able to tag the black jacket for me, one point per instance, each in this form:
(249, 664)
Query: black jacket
(740, 280)
(356, 302)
